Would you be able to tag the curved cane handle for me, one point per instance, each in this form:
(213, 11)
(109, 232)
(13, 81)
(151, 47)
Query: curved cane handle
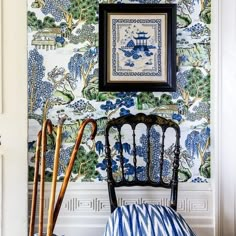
(71, 163)
(81, 131)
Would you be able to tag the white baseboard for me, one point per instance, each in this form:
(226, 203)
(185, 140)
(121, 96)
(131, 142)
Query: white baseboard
(85, 208)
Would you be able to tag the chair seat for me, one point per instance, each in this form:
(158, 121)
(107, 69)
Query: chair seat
(146, 220)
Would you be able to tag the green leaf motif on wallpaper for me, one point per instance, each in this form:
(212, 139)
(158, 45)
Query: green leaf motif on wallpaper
(198, 85)
(196, 55)
(31, 174)
(193, 86)
(33, 22)
(164, 99)
(205, 14)
(146, 100)
(91, 92)
(184, 174)
(63, 97)
(70, 132)
(48, 175)
(73, 12)
(86, 34)
(205, 168)
(183, 21)
(101, 124)
(36, 24)
(85, 165)
(84, 10)
(49, 22)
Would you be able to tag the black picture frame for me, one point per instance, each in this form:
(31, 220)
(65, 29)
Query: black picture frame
(154, 64)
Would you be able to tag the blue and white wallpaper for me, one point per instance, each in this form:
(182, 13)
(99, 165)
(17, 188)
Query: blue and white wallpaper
(63, 79)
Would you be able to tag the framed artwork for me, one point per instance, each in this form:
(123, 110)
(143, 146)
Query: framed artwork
(137, 47)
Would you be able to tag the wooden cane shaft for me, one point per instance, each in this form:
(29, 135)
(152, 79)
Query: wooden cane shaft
(66, 179)
(46, 124)
(54, 182)
(41, 198)
(35, 185)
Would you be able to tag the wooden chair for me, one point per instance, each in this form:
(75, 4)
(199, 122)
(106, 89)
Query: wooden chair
(142, 219)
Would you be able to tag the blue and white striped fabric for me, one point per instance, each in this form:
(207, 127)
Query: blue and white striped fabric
(146, 220)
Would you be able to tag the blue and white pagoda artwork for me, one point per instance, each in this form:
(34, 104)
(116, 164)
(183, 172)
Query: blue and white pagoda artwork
(141, 42)
(137, 46)
(141, 45)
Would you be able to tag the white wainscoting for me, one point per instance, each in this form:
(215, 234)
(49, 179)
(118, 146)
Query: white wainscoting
(85, 208)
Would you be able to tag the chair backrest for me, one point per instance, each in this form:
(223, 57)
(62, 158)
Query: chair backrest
(135, 165)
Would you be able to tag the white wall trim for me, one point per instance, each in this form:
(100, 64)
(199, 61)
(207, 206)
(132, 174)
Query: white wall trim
(13, 121)
(225, 113)
(216, 112)
(86, 208)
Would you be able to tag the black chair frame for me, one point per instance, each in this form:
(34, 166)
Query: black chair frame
(149, 121)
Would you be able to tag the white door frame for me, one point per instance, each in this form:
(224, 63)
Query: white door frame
(216, 110)
(13, 119)
(223, 109)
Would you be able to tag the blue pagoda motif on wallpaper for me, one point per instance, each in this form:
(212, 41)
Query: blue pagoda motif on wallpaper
(63, 79)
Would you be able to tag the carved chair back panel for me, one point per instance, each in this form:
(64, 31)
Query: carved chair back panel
(142, 150)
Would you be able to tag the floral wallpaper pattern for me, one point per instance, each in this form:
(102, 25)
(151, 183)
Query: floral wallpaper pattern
(63, 79)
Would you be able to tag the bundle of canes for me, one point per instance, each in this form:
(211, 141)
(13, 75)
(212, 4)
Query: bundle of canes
(54, 177)
(70, 165)
(41, 143)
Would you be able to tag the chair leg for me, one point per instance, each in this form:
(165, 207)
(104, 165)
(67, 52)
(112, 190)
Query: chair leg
(112, 197)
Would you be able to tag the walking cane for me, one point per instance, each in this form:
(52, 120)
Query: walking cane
(47, 124)
(35, 184)
(70, 165)
(54, 177)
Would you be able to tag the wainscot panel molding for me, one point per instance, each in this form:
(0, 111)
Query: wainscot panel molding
(85, 208)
